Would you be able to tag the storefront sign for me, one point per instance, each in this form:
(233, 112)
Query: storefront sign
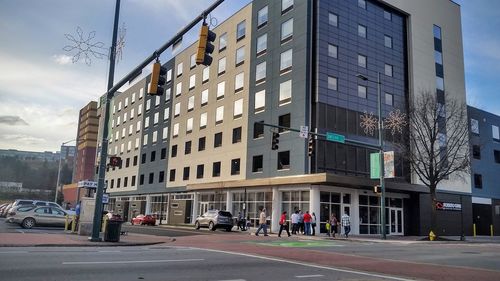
(446, 206)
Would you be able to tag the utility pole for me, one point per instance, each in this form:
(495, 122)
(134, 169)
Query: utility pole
(59, 170)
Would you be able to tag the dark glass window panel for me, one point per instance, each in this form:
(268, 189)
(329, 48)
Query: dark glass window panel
(174, 151)
(237, 135)
(187, 147)
(141, 179)
(201, 143)
(185, 174)
(218, 140)
(216, 169)
(161, 176)
(151, 178)
(200, 169)
(163, 153)
(284, 121)
(235, 167)
(283, 160)
(172, 175)
(257, 163)
(476, 151)
(258, 130)
(439, 70)
(153, 156)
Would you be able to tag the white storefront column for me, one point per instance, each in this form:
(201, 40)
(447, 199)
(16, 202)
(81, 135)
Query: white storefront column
(354, 212)
(148, 205)
(195, 207)
(229, 202)
(314, 203)
(275, 215)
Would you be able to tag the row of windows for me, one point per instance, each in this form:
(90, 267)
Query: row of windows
(161, 178)
(126, 101)
(474, 127)
(125, 182)
(145, 141)
(362, 90)
(236, 138)
(476, 153)
(283, 162)
(200, 170)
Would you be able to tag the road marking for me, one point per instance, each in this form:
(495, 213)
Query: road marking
(126, 262)
(310, 265)
(309, 276)
(104, 251)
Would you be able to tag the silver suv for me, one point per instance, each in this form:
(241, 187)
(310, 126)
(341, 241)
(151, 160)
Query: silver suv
(20, 202)
(214, 219)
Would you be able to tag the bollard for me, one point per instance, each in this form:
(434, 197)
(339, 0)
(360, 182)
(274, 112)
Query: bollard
(491, 230)
(474, 229)
(66, 223)
(104, 223)
(73, 224)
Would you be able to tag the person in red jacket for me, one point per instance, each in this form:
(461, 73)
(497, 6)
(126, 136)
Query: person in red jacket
(307, 223)
(283, 224)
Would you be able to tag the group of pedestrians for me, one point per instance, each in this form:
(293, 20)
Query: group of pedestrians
(304, 223)
(333, 225)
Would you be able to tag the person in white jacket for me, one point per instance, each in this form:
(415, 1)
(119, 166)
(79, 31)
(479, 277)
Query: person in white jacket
(262, 223)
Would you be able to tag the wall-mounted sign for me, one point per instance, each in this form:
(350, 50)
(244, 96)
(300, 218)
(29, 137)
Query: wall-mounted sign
(446, 206)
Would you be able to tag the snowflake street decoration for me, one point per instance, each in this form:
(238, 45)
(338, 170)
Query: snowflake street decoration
(85, 47)
(369, 123)
(120, 44)
(396, 121)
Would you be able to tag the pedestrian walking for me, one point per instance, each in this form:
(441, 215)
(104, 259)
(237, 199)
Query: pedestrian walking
(307, 223)
(283, 224)
(346, 223)
(301, 222)
(333, 224)
(241, 221)
(313, 224)
(295, 222)
(262, 222)
(248, 222)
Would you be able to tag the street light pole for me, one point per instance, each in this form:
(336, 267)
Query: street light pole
(381, 152)
(59, 171)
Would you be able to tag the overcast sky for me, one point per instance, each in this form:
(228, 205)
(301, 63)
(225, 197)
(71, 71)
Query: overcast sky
(41, 90)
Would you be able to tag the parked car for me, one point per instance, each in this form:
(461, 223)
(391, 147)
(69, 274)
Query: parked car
(5, 209)
(144, 219)
(30, 215)
(214, 219)
(40, 203)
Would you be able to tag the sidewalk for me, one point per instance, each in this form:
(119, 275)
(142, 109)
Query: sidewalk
(74, 240)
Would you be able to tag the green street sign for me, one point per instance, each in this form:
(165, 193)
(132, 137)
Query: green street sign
(375, 165)
(335, 137)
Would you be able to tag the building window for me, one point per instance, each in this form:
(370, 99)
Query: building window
(388, 41)
(474, 126)
(237, 135)
(388, 70)
(286, 5)
(478, 181)
(361, 31)
(285, 92)
(361, 61)
(362, 91)
(161, 176)
(257, 163)
(187, 147)
(143, 158)
(185, 174)
(165, 133)
(258, 130)
(387, 15)
(169, 76)
(287, 30)
(222, 42)
(112, 183)
(240, 31)
(163, 153)
(192, 81)
(362, 4)
(222, 66)
(203, 120)
(155, 137)
(389, 99)
(132, 184)
(496, 154)
(177, 111)
(216, 169)
(151, 178)
(141, 179)
(153, 156)
(238, 109)
(218, 140)
(260, 101)
(199, 171)
(495, 133)
(283, 160)
(175, 132)
(205, 75)
(240, 56)
(284, 121)
(178, 89)
(332, 83)
(333, 19)
(135, 160)
(179, 69)
(239, 82)
(260, 72)
(192, 61)
(201, 143)
(190, 104)
(189, 125)
(204, 97)
(235, 167)
(476, 151)
(172, 175)
(332, 51)
(262, 17)
(262, 44)
(219, 115)
(173, 151)
(286, 61)
(437, 31)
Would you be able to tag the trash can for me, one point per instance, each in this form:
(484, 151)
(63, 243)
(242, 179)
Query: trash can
(113, 230)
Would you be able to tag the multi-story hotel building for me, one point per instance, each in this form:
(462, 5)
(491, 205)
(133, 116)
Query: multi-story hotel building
(290, 63)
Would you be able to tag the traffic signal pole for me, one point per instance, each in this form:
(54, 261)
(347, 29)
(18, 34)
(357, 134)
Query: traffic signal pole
(96, 223)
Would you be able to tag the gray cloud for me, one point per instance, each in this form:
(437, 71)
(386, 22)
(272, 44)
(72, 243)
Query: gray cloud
(12, 120)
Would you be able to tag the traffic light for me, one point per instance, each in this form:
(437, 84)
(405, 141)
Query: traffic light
(157, 79)
(205, 46)
(310, 147)
(115, 161)
(376, 189)
(275, 141)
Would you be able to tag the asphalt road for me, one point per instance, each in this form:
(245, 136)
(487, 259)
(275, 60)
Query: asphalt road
(158, 263)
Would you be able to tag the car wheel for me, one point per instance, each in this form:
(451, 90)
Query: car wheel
(211, 226)
(197, 225)
(228, 229)
(28, 223)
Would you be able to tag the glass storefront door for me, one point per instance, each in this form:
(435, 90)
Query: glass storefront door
(396, 221)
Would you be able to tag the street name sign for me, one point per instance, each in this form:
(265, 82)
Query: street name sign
(335, 137)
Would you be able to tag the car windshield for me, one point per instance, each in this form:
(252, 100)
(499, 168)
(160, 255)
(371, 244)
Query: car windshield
(225, 214)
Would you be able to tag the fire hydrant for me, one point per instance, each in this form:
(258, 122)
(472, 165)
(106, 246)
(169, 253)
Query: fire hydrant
(432, 236)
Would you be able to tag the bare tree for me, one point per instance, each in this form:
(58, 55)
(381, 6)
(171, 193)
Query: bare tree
(438, 141)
